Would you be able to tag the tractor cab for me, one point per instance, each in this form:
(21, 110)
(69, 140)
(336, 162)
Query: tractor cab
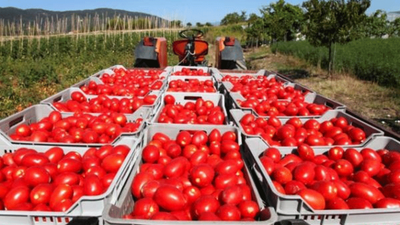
(151, 52)
(229, 54)
(192, 49)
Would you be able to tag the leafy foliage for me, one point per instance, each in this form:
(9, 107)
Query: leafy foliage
(333, 21)
(282, 20)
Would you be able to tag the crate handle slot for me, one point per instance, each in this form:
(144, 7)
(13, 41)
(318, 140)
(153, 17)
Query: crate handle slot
(329, 104)
(16, 121)
(57, 99)
(191, 97)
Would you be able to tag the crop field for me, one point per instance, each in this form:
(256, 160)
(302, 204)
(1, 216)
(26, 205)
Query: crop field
(33, 68)
(368, 59)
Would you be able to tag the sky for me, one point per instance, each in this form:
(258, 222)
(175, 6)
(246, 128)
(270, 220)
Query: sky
(185, 10)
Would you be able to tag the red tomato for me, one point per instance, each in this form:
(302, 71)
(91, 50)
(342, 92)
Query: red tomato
(16, 196)
(92, 185)
(34, 159)
(343, 167)
(202, 175)
(208, 216)
(163, 216)
(145, 207)
(41, 194)
(205, 203)
(293, 186)
(170, 198)
(305, 152)
(353, 156)
(69, 165)
(55, 154)
(150, 154)
(191, 193)
(113, 162)
(371, 166)
(313, 198)
(336, 203)
(327, 188)
(366, 192)
(282, 175)
(228, 212)
(304, 173)
(183, 138)
(387, 203)
(232, 195)
(36, 175)
(249, 209)
(358, 203)
(176, 167)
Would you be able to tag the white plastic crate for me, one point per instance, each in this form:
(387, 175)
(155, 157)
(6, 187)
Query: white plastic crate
(37, 112)
(311, 97)
(114, 211)
(370, 130)
(88, 206)
(65, 95)
(187, 78)
(184, 97)
(294, 207)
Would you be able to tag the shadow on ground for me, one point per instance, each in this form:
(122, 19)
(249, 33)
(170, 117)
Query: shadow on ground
(295, 73)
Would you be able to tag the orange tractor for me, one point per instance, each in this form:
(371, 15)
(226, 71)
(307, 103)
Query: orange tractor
(191, 51)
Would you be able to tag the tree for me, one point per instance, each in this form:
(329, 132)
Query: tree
(282, 20)
(208, 24)
(256, 31)
(231, 18)
(376, 25)
(198, 24)
(243, 16)
(394, 28)
(189, 24)
(176, 23)
(333, 21)
(252, 18)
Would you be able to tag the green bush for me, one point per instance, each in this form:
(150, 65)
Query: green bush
(369, 59)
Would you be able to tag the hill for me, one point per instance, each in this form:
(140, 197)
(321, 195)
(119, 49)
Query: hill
(15, 15)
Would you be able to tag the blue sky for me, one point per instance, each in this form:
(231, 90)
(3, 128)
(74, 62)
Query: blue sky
(185, 10)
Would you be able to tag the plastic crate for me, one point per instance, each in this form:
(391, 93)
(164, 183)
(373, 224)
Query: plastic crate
(293, 206)
(370, 130)
(113, 212)
(89, 206)
(179, 68)
(37, 112)
(65, 95)
(309, 98)
(187, 78)
(182, 98)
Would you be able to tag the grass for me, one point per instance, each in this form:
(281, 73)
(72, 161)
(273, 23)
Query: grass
(363, 97)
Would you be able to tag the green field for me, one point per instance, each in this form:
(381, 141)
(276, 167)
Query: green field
(369, 59)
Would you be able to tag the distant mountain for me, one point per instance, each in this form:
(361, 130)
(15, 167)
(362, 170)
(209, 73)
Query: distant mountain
(11, 14)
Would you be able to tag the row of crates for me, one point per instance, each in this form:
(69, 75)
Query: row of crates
(110, 207)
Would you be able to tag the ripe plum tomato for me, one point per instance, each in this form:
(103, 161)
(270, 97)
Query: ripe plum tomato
(16, 196)
(170, 198)
(202, 175)
(205, 203)
(313, 198)
(145, 207)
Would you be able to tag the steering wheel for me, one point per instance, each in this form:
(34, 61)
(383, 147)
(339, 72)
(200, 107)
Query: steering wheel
(191, 33)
